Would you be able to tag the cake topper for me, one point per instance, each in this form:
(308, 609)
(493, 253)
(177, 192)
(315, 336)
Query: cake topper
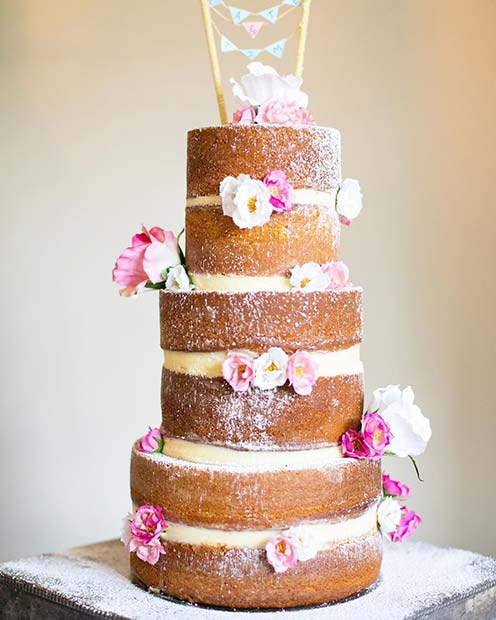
(238, 16)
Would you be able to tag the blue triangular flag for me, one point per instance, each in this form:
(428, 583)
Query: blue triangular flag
(270, 14)
(226, 45)
(215, 2)
(277, 48)
(238, 15)
(250, 53)
(292, 2)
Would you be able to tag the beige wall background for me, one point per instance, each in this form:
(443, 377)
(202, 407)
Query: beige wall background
(96, 98)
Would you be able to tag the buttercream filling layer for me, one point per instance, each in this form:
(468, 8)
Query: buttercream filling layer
(239, 284)
(218, 455)
(325, 532)
(209, 364)
(302, 196)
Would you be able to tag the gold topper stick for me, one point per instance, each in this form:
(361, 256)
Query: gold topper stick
(214, 61)
(302, 37)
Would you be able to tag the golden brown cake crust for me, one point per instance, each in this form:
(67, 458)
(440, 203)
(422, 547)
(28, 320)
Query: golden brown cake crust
(208, 410)
(213, 321)
(215, 245)
(242, 578)
(235, 499)
(310, 156)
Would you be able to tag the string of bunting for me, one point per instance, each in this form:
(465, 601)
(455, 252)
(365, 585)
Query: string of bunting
(239, 15)
(275, 49)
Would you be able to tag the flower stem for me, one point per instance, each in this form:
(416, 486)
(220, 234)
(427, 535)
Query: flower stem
(415, 467)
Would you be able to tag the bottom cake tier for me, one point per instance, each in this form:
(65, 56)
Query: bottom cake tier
(220, 518)
(242, 578)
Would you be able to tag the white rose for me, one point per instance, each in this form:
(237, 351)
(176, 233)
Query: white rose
(309, 277)
(263, 84)
(228, 189)
(349, 199)
(246, 200)
(388, 515)
(271, 369)
(178, 280)
(306, 542)
(410, 429)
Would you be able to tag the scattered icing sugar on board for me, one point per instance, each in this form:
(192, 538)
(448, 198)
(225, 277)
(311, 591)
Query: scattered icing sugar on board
(415, 577)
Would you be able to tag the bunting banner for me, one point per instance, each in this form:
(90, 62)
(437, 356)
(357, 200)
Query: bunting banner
(271, 14)
(276, 49)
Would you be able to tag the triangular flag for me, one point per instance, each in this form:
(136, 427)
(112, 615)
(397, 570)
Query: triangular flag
(270, 14)
(277, 48)
(215, 2)
(292, 2)
(238, 15)
(226, 45)
(252, 28)
(251, 54)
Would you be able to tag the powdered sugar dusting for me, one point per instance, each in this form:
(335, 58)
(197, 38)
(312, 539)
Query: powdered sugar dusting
(415, 576)
(310, 156)
(258, 419)
(219, 321)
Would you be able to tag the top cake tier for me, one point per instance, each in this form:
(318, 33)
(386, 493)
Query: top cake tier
(310, 156)
(217, 250)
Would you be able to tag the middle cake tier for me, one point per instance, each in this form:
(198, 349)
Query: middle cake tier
(200, 329)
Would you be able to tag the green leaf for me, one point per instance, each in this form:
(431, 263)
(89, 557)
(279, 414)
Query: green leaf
(157, 286)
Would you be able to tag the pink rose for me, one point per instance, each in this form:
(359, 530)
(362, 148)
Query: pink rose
(281, 553)
(238, 371)
(409, 522)
(149, 552)
(353, 445)
(302, 372)
(152, 441)
(149, 254)
(282, 193)
(244, 116)
(283, 113)
(376, 435)
(337, 272)
(344, 220)
(148, 523)
(395, 487)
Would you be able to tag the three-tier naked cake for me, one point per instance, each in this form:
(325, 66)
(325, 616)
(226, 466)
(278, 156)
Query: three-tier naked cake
(261, 487)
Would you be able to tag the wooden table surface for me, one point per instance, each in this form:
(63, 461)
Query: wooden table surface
(417, 581)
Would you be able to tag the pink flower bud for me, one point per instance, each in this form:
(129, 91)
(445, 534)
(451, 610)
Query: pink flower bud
(238, 371)
(337, 273)
(376, 435)
(152, 441)
(148, 523)
(281, 553)
(302, 372)
(409, 522)
(149, 254)
(283, 113)
(395, 487)
(353, 445)
(282, 193)
(244, 116)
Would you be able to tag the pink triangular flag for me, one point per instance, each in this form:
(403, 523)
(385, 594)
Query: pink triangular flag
(253, 28)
